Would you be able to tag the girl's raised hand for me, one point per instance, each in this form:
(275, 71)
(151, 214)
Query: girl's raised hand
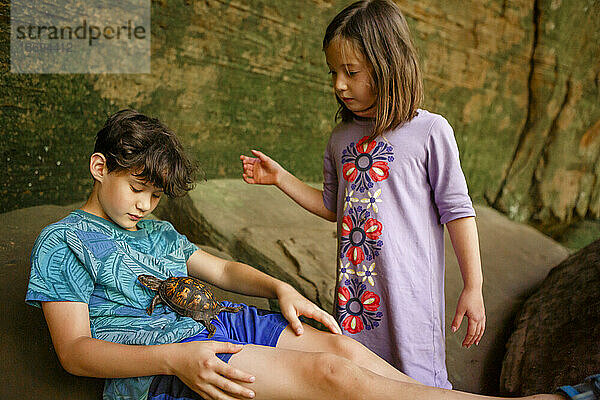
(261, 169)
(197, 365)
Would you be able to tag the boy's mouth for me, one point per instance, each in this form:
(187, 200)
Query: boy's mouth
(134, 217)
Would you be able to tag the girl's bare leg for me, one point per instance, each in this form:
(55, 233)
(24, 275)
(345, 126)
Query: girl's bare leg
(288, 374)
(313, 340)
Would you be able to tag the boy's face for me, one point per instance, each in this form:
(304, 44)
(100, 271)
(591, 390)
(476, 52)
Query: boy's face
(125, 199)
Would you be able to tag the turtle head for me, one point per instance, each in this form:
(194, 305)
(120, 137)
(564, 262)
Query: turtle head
(149, 281)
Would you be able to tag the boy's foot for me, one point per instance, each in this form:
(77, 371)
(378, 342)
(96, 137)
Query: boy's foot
(588, 390)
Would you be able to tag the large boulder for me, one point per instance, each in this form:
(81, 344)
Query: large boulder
(31, 369)
(557, 336)
(264, 228)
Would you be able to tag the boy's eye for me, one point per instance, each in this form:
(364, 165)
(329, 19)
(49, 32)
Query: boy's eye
(156, 195)
(134, 190)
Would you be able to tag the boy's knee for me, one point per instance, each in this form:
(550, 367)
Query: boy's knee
(330, 370)
(346, 347)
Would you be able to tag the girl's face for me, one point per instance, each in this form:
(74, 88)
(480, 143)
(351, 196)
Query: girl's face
(351, 76)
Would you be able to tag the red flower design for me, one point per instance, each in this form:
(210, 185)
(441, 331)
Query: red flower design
(379, 171)
(370, 301)
(365, 147)
(353, 324)
(353, 317)
(343, 295)
(347, 225)
(373, 228)
(355, 254)
(366, 163)
(349, 172)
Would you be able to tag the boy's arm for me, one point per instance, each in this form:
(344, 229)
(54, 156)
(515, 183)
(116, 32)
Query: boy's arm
(263, 170)
(194, 363)
(241, 278)
(463, 234)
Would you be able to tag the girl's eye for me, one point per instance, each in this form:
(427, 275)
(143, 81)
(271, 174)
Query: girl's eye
(332, 73)
(352, 73)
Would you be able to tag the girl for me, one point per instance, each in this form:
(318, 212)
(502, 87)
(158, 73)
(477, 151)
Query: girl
(392, 180)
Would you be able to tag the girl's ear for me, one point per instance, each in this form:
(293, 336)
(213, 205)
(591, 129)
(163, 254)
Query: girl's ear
(98, 167)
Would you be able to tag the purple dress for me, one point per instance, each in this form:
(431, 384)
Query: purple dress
(392, 197)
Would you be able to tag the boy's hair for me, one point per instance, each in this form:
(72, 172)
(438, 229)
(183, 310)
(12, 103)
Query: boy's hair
(133, 142)
(378, 30)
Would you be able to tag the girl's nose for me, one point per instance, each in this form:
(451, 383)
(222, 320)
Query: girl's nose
(340, 83)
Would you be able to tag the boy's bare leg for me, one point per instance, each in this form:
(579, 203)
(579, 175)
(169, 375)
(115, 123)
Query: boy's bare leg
(288, 374)
(313, 340)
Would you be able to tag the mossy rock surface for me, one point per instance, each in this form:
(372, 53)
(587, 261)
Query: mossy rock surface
(519, 82)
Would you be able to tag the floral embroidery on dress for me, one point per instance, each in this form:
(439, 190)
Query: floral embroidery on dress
(372, 200)
(357, 307)
(359, 236)
(345, 271)
(367, 273)
(348, 199)
(365, 163)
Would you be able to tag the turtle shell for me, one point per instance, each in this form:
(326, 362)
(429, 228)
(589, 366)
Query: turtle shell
(189, 297)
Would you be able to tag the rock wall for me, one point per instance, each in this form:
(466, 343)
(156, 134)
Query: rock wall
(519, 81)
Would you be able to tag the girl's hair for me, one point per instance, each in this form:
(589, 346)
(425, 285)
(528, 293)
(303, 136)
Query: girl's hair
(377, 30)
(133, 142)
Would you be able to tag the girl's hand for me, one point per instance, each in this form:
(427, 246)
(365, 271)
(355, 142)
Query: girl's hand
(470, 303)
(293, 304)
(196, 364)
(261, 170)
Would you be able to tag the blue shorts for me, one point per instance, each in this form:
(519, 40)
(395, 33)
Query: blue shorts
(250, 325)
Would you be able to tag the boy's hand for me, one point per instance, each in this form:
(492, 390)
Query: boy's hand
(470, 303)
(261, 170)
(199, 368)
(293, 304)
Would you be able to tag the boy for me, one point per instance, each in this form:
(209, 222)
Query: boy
(84, 276)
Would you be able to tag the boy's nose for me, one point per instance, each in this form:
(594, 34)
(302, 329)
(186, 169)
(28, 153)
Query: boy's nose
(143, 203)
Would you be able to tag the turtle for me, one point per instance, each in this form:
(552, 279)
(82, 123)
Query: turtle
(187, 296)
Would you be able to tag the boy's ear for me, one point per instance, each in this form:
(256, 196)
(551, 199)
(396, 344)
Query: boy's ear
(98, 167)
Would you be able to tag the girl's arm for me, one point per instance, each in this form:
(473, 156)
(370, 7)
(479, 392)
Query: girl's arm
(194, 363)
(263, 170)
(241, 278)
(463, 234)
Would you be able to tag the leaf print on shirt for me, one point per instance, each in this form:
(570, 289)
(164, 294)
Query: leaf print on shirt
(360, 236)
(365, 163)
(357, 307)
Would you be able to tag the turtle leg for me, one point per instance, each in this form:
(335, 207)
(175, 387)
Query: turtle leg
(155, 301)
(211, 329)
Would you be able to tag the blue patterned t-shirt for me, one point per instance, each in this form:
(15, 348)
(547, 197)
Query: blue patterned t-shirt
(88, 259)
